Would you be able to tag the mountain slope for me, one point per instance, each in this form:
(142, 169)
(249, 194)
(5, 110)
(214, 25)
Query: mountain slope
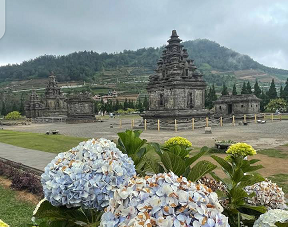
(210, 57)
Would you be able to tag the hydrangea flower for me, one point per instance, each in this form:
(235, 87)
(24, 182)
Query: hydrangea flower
(271, 217)
(86, 175)
(178, 141)
(3, 224)
(242, 149)
(163, 200)
(268, 194)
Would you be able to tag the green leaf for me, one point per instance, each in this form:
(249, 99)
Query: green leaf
(279, 224)
(200, 169)
(253, 161)
(225, 165)
(247, 169)
(46, 210)
(202, 152)
(260, 209)
(238, 175)
(173, 163)
(237, 195)
(152, 165)
(129, 141)
(248, 180)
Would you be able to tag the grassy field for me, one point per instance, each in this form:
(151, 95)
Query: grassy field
(13, 211)
(42, 142)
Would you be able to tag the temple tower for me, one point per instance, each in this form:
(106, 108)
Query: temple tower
(55, 104)
(177, 89)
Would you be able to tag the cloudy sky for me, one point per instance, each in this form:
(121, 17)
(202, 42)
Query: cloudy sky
(258, 28)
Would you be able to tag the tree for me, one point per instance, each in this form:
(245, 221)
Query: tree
(276, 104)
(285, 91)
(213, 94)
(257, 90)
(281, 95)
(139, 106)
(248, 88)
(224, 90)
(244, 89)
(3, 111)
(146, 103)
(264, 100)
(234, 91)
(126, 104)
(272, 93)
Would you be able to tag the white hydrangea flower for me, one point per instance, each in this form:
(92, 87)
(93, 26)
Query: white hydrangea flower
(87, 175)
(271, 217)
(164, 200)
(268, 194)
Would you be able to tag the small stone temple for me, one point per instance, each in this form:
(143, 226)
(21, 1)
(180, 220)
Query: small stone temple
(34, 107)
(54, 100)
(177, 89)
(237, 105)
(80, 109)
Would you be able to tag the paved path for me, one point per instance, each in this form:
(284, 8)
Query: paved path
(33, 158)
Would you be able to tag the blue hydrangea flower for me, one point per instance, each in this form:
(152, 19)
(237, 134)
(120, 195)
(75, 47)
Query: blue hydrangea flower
(164, 200)
(87, 175)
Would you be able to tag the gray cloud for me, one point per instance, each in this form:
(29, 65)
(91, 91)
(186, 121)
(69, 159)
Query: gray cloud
(257, 28)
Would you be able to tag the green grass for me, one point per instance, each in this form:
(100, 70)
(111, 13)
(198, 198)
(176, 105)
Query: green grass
(42, 142)
(273, 153)
(281, 180)
(12, 211)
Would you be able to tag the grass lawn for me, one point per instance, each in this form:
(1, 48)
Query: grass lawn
(12, 211)
(273, 153)
(42, 142)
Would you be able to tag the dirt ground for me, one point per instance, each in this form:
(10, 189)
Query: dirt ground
(260, 136)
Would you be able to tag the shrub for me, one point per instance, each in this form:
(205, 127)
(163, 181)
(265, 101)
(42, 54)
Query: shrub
(163, 200)
(21, 180)
(14, 115)
(267, 194)
(277, 104)
(241, 149)
(271, 217)
(178, 141)
(86, 175)
(240, 173)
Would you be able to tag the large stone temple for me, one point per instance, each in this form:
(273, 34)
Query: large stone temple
(54, 101)
(177, 89)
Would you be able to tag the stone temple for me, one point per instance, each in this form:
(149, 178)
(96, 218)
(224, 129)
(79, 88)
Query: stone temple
(177, 89)
(55, 104)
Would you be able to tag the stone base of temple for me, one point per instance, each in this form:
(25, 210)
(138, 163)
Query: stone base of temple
(81, 119)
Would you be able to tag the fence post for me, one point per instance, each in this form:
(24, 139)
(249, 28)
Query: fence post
(132, 124)
(145, 124)
(255, 118)
(245, 118)
(207, 122)
(272, 117)
(158, 125)
(193, 124)
(175, 125)
(264, 116)
(280, 116)
(221, 121)
(120, 123)
(233, 120)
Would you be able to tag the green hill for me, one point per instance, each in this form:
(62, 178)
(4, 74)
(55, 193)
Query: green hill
(218, 64)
